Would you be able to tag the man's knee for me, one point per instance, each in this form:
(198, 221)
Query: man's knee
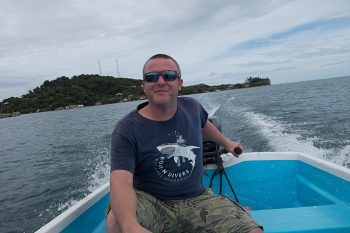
(112, 225)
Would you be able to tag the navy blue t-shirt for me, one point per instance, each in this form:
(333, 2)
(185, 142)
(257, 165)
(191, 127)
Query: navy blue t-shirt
(164, 156)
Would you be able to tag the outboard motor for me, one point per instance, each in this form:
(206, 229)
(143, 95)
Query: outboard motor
(211, 150)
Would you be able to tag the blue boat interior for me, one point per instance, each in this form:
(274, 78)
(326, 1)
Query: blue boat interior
(285, 195)
(288, 195)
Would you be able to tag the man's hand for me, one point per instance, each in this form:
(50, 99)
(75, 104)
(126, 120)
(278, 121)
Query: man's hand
(212, 133)
(112, 226)
(230, 147)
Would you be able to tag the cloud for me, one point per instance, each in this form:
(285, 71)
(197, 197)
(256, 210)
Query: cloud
(332, 64)
(228, 39)
(212, 74)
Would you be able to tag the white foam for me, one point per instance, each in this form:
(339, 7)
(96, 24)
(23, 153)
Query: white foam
(99, 177)
(98, 167)
(274, 131)
(342, 157)
(232, 98)
(65, 206)
(213, 110)
(208, 103)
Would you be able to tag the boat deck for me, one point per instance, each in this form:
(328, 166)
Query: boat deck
(332, 218)
(289, 195)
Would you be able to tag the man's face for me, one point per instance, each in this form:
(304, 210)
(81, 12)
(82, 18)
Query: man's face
(161, 92)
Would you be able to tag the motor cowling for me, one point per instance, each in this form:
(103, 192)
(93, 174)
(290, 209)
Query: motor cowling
(210, 148)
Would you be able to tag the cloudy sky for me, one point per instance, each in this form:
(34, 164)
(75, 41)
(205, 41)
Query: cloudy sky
(215, 42)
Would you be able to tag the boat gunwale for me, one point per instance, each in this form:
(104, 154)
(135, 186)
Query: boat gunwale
(332, 168)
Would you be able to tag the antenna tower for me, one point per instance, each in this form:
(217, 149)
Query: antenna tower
(99, 65)
(118, 74)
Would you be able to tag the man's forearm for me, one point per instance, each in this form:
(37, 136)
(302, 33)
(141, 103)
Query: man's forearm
(123, 200)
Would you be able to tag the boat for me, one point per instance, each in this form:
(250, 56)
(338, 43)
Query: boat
(287, 192)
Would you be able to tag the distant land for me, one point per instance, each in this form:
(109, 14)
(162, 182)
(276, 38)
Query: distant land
(89, 90)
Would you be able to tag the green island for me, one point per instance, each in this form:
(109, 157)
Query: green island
(90, 90)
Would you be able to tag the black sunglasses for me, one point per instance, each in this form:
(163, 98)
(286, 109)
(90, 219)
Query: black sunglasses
(168, 75)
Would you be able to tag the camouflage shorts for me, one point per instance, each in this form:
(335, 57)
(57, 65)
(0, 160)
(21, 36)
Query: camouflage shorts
(205, 213)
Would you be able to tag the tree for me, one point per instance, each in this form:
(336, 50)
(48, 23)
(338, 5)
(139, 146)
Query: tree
(87, 89)
(256, 81)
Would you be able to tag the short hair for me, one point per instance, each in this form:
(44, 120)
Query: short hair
(161, 55)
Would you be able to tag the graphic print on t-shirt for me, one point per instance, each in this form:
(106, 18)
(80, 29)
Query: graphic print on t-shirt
(178, 154)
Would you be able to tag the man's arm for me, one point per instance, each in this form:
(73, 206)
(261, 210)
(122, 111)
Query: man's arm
(124, 201)
(211, 132)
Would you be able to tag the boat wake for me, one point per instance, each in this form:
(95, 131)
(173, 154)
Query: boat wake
(259, 132)
(284, 137)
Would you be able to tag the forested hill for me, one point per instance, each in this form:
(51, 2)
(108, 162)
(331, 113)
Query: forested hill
(89, 90)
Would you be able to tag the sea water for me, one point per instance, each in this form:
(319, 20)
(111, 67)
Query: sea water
(51, 160)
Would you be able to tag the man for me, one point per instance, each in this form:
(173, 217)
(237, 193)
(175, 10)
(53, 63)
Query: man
(156, 164)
